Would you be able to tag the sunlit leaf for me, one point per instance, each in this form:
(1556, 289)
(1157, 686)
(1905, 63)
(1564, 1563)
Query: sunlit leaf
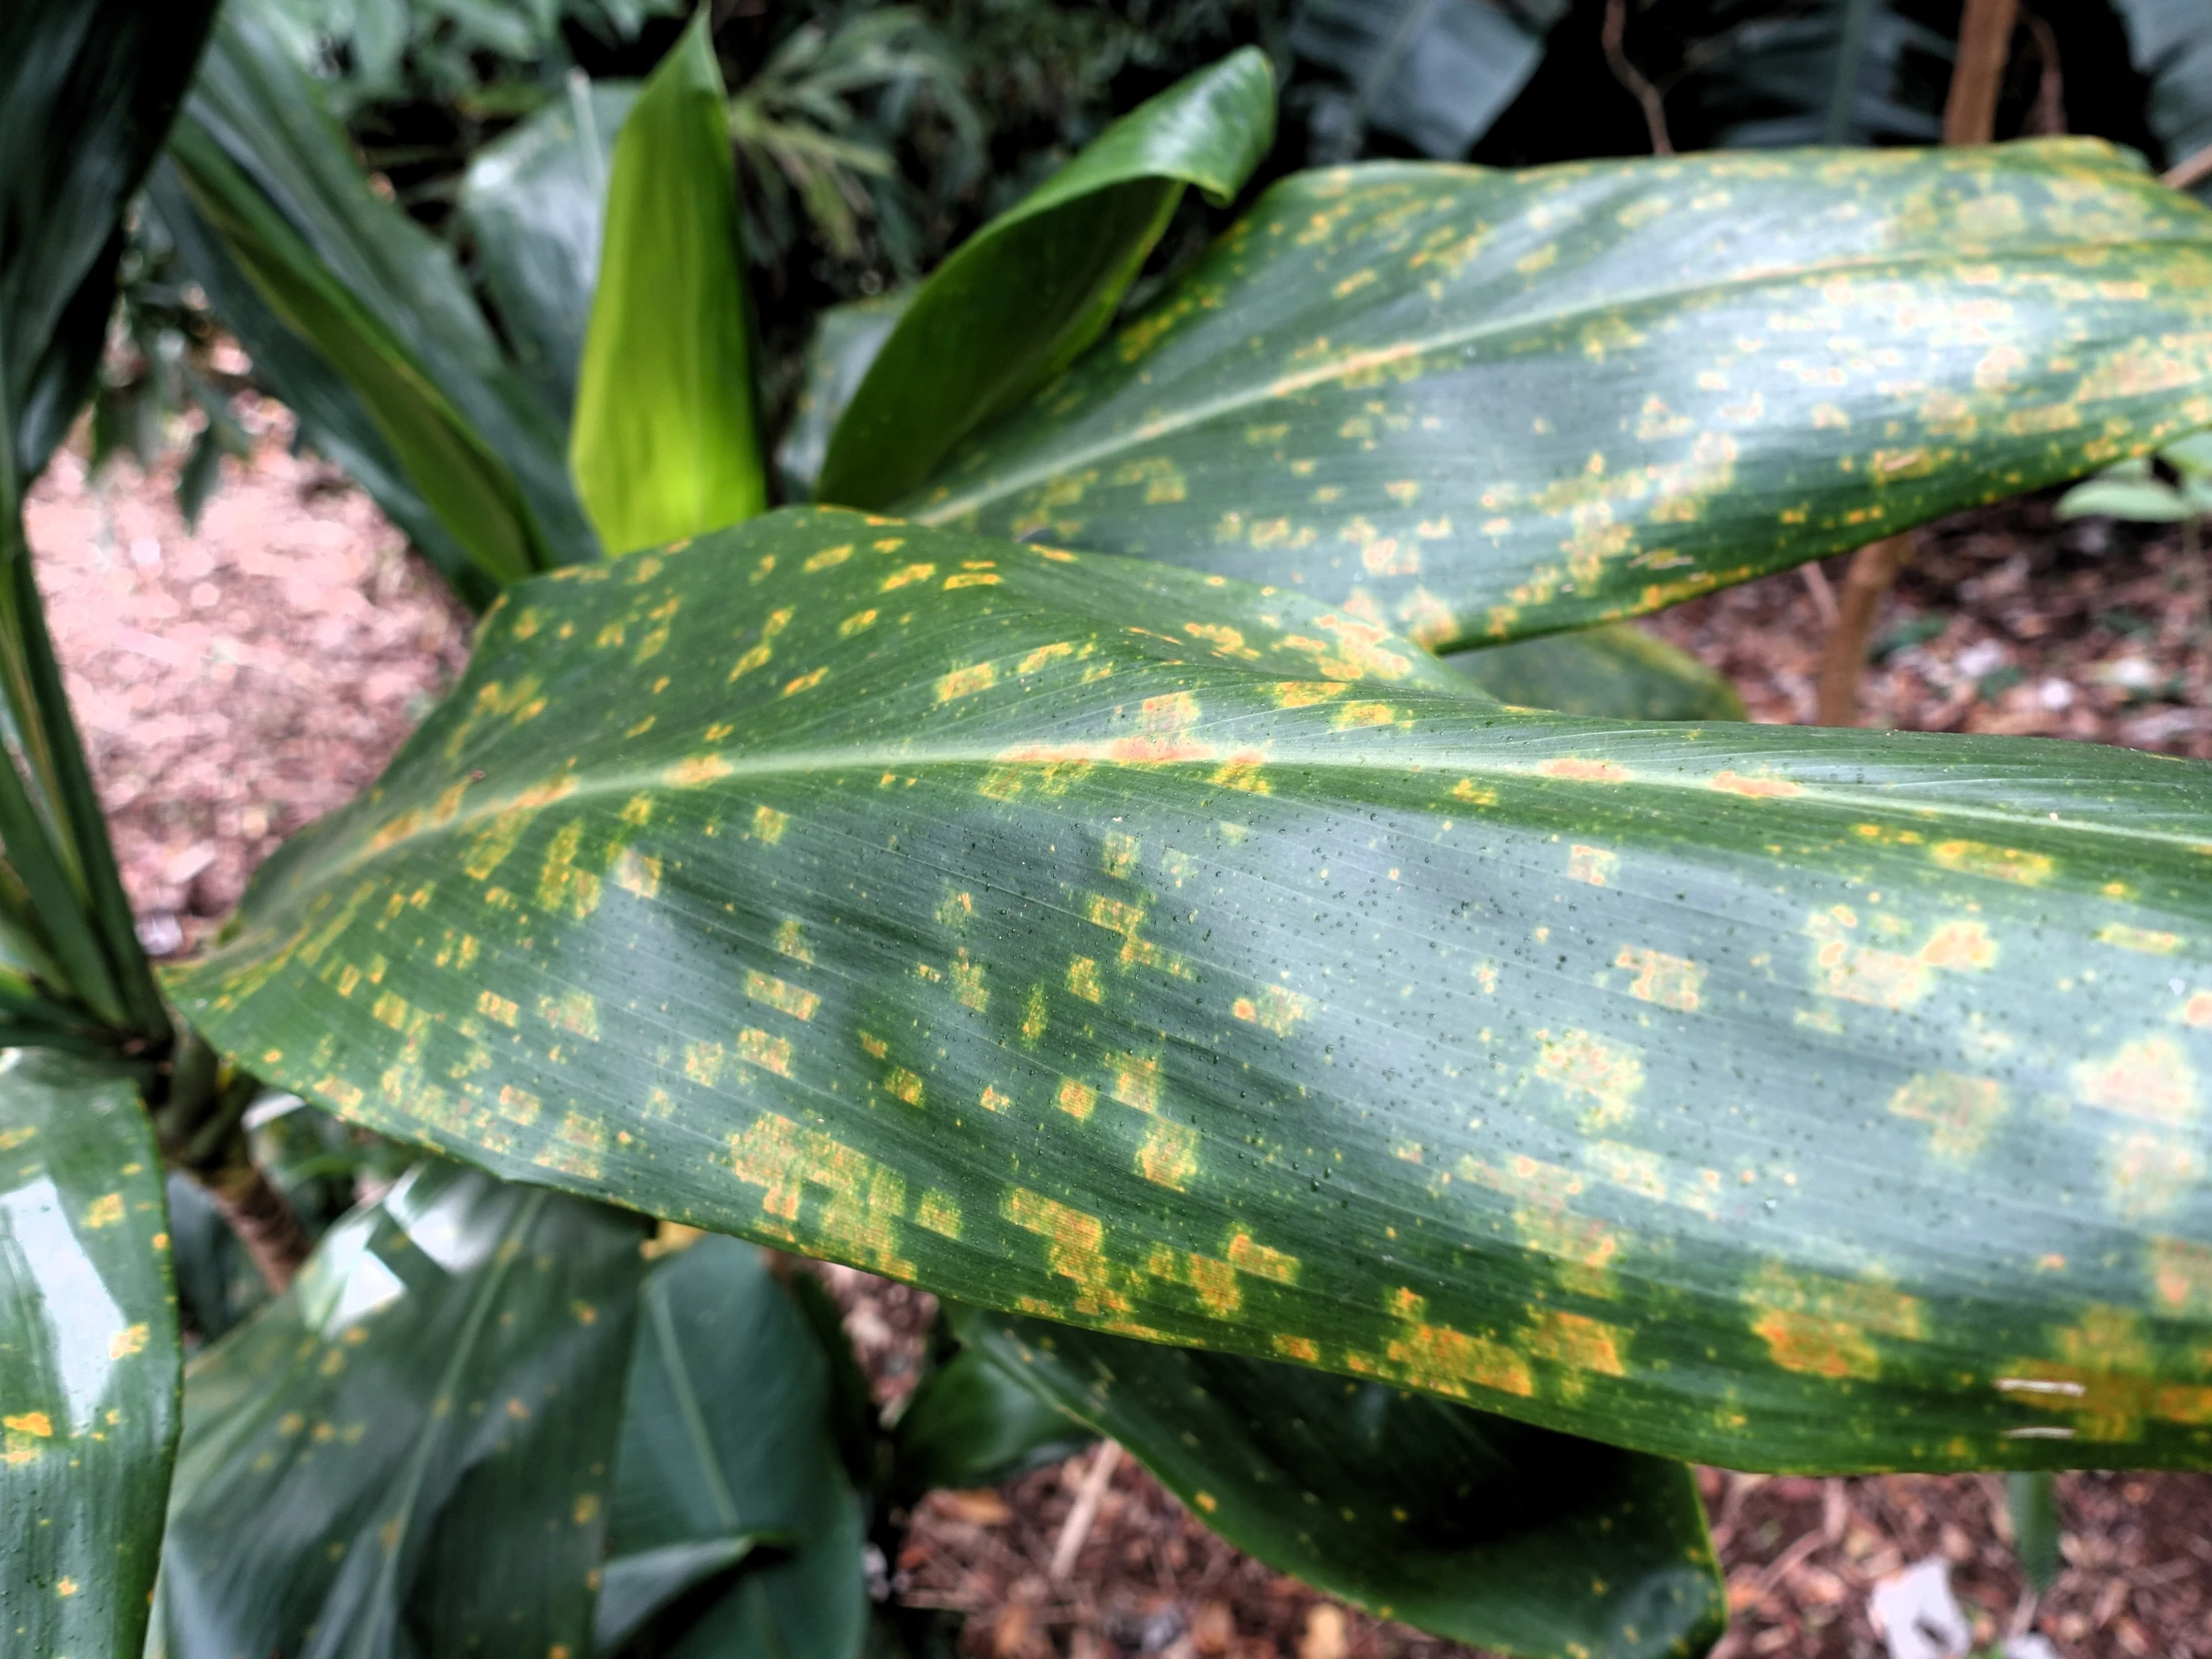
(1617, 671)
(1478, 405)
(663, 442)
(1457, 1522)
(1021, 297)
(414, 1446)
(88, 1357)
(1130, 946)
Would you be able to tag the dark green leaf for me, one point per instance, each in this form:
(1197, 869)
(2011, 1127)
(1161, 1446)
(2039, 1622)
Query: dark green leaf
(663, 444)
(1456, 1521)
(2171, 42)
(88, 1357)
(273, 176)
(412, 1449)
(1027, 292)
(970, 1423)
(1617, 672)
(1126, 945)
(845, 342)
(535, 203)
(1481, 405)
(2033, 1503)
(726, 1439)
(87, 89)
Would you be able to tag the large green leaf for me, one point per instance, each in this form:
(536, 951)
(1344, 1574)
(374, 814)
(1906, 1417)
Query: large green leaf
(87, 89)
(845, 342)
(663, 443)
(382, 301)
(1457, 1522)
(1481, 405)
(1618, 672)
(535, 203)
(726, 1442)
(88, 1357)
(1024, 295)
(411, 1451)
(1130, 946)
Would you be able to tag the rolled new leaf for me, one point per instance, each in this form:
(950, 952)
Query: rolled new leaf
(663, 442)
(1123, 945)
(1479, 405)
(88, 1357)
(414, 1445)
(1461, 1524)
(1019, 301)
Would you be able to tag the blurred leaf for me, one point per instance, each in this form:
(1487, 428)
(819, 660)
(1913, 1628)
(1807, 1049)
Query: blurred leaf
(971, 1423)
(412, 1447)
(663, 443)
(726, 1442)
(1485, 404)
(1454, 1521)
(846, 340)
(88, 1357)
(535, 201)
(1435, 72)
(2032, 1500)
(1617, 671)
(1027, 292)
(2171, 42)
(1723, 1130)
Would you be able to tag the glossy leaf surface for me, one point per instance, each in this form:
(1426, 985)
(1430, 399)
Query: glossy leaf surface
(381, 300)
(535, 200)
(1478, 405)
(1081, 937)
(411, 1451)
(87, 91)
(1617, 671)
(88, 1357)
(1457, 1522)
(725, 1443)
(1020, 299)
(663, 442)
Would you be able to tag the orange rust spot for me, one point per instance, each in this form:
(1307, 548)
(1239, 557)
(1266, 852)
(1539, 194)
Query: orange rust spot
(1765, 788)
(1592, 865)
(2002, 863)
(1670, 981)
(2149, 1078)
(1961, 1110)
(1261, 1261)
(1277, 1008)
(1576, 1342)
(1586, 772)
(1075, 1249)
(1168, 1155)
(1303, 1348)
(1821, 1327)
(1078, 1100)
(1582, 1063)
(865, 1199)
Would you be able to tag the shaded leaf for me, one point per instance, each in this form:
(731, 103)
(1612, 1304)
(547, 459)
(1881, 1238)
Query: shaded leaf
(1484, 405)
(726, 1440)
(1020, 299)
(2172, 43)
(1143, 949)
(411, 1452)
(663, 442)
(1617, 671)
(535, 200)
(846, 340)
(1459, 1522)
(971, 1423)
(1433, 74)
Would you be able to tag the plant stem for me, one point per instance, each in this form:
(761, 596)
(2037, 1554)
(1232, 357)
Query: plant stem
(1873, 569)
(1985, 42)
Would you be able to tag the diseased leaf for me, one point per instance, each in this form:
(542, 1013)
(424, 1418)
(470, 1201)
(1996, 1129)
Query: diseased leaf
(1454, 1521)
(1481, 405)
(88, 1357)
(535, 200)
(725, 1443)
(1020, 299)
(409, 1452)
(1130, 946)
(663, 443)
(1617, 672)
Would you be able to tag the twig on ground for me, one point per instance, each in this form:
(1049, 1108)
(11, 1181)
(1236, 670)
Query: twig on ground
(1088, 1496)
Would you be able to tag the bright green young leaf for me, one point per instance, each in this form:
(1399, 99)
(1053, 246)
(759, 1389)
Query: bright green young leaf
(1130, 946)
(1481, 405)
(1025, 294)
(411, 1451)
(535, 200)
(383, 302)
(845, 341)
(1456, 1521)
(88, 1357)
(1616, 673)
(663, 444)
(726, 1449)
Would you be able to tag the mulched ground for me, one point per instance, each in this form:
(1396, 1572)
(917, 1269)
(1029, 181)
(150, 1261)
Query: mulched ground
(238, 682)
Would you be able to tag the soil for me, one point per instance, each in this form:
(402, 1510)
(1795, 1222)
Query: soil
(237, 682)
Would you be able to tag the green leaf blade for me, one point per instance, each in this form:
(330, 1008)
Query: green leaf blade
(88, 1357)
(1119, 944)
(1616, 673)
(1020, 299)
(1476, 406)
(663, 443)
